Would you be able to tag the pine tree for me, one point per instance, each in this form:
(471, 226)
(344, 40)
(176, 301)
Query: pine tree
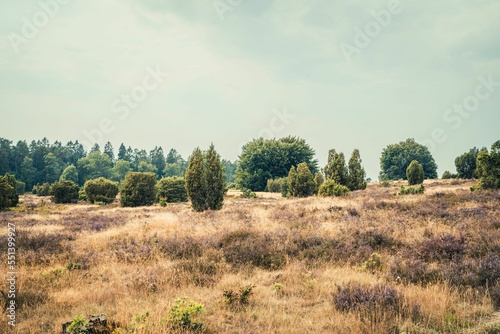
(108, 150)
(95, 148)
(196, 183)
(122, 153)
(356, 172)
(158, 159)
(415, 173)
(292, 182)
(336, 168)
(305, 185)
(215, 179)
(318, 181)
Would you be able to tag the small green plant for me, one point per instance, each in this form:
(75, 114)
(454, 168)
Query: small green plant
(240, 298)
(412, 190)
(79, 325)
(136, 325)
(309, 281)
(247, 193)
(163, 202)
(278, 288)
(182, 314)
(385, 183)
(331, 188)
(373, 262)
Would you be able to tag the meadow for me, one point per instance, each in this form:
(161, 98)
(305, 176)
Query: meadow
(370, 262)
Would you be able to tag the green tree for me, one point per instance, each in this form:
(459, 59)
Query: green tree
(158, 160)
(52, 169)
(70, 173)
(172, 170)
(396, 158)
(120, 170)
(318, 181)
(138, 189)
(196, 183)
(336, 168)
(64, 192)
(466, 164)
(171, 189)
(357, 173)
(229, 170)
(215, 179)
(264, 159)
(8, 195)
(488, 167)
(101, 190)
(123, 153)
(292, 182)
(28, 172)
(146, 167)
(93, 166)
(415, 173)
(108, 150)
(305, 181)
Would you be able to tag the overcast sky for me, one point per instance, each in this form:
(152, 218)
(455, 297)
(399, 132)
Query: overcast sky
(341, 74)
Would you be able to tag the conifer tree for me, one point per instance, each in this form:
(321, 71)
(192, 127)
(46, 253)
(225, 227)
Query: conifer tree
(356, 172)
(215, 179)
(415, 173)
(196, 183)
(292, 182)
(336, 169)
(305, 185)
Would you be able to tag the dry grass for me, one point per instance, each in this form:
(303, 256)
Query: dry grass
(439, 259)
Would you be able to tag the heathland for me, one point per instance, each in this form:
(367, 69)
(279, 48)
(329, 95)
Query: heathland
(369, 262)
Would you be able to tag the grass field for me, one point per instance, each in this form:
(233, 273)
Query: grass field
(371, 262)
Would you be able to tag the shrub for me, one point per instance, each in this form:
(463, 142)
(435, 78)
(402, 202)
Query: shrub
(79, 325)
(172, 189)
(415, 173)
(411, 190)
(274, 185)
(196, 183)
(101, 190)
(181, 314)
(443, 248)
(138, 189)
(64, 192)
(20, 187)
(356, 297)
(247, 193)
(215, 179)
(8, 195)
(330, 188)
(42, 190)
(238, 299)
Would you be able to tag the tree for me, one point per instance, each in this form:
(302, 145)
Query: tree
(64, 192)
(396, 158)
(8, 194)
(28, 172)
(146, 167)
(264, 159)
(331, 188)
(336, 168)
(138, 189)
(123, 154)
(415, 173)
(95, 148)
(196, 183)
(303, 184)
(93, 166)
(108, 150)
(120, 170)
(215, 179)
(52, 169)
(318, 181)
(69, 174)
(466, 164)
(356, 172)
(488, 167)
(292, 182)
(229, 170)
(101, 190)
(172, 170)
(448, 175)
(171, 189)
(157, 159)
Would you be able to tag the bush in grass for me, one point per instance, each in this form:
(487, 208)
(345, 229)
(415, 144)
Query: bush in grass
(356, 297)
(42, 190)
(182, 313)
(100, 190)
(138, 189)
(247, 193)
(172, 189)
(274, 185)
(64, 192)
(330, 188)
(415, 173)
(412, 190)
(8, 195)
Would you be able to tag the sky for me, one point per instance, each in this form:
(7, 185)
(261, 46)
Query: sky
(341, 74)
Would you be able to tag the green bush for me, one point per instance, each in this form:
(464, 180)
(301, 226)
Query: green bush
(64, 192)
(330, 188)
(42, 190)
(301, 181)
(138, 189)
(172, 189)
(415, 173)
(8, 195)
(274, 185)
(411, 190)
(238, 299)
(20, 187)
(101, 190)
(79, 325)
(247, 193)
(181, 314)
